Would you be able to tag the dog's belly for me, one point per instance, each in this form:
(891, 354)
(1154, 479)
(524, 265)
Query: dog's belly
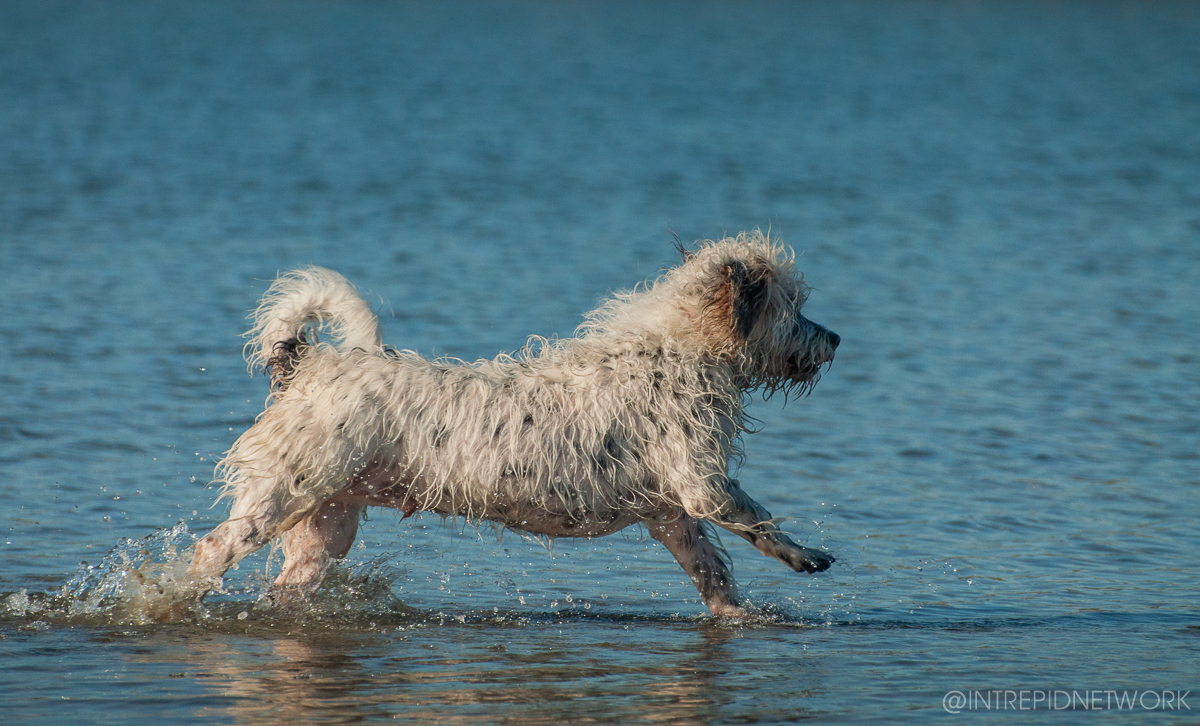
(384, 488)
(559, 524)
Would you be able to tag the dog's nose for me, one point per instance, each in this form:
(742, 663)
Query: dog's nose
(834, 339)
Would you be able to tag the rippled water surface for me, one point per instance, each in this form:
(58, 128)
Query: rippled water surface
(998, 205)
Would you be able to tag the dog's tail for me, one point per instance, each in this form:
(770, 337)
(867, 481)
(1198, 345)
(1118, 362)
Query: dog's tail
(295, 307)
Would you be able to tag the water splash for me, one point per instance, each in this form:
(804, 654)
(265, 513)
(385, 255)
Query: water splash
(136, 577)
(126, 587)
(145, 581)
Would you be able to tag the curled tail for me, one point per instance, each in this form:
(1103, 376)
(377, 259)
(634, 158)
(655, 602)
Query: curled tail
(299, 303)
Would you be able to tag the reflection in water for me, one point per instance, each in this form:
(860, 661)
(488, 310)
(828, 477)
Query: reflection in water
(534, 673)
(352, 651)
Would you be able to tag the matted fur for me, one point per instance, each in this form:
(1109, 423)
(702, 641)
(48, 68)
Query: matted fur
(635, 419)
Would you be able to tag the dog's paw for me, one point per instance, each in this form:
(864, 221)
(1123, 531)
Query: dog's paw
(817, 561)
(727, 610)
(811, 560)
(284, 596)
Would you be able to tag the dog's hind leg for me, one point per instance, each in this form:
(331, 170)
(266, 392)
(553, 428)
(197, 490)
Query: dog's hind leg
(751, 521)
(701, 558)
(252, 523)
(318, 540)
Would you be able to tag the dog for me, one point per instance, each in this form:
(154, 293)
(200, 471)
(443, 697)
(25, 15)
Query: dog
(635, 420)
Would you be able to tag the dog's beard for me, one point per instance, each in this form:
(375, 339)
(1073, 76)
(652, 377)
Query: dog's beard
(795, 377)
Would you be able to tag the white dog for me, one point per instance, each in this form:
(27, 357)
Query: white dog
(633, 421)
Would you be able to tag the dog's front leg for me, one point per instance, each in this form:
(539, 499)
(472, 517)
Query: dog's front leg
(751, 521)
(700, 557)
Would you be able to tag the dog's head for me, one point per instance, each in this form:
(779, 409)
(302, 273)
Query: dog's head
(749, 298)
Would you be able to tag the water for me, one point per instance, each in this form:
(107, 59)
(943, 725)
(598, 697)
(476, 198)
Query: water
(997, 203)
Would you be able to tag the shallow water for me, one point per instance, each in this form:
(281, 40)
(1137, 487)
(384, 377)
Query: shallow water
(998, 205)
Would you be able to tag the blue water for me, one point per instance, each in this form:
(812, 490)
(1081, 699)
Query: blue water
(997, 203)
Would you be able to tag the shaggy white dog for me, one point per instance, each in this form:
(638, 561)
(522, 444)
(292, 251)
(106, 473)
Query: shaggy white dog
(634, 420)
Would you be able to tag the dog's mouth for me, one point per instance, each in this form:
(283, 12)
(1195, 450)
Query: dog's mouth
(799, 372)
(804, 365)
(802, 371)
(808, 372)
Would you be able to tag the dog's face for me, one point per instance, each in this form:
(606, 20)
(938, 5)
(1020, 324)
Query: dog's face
(751, 302)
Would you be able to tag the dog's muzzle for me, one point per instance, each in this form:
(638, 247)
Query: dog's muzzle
(824, 353)
(806, 366)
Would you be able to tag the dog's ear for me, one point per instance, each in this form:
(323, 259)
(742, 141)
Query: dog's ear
(740, 299)
(748, 288)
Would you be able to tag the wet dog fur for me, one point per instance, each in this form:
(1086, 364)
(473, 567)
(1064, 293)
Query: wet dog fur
(635, 420)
